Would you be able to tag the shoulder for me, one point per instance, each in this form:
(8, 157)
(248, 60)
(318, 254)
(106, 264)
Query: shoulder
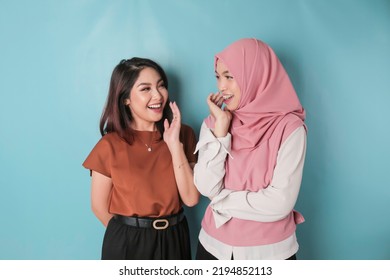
(298, 133)
(185, 127)
(187, 135)
(288, 125)
(295, 144)
(291, 119)
(186, 130)
(111, 140)
(290, 122)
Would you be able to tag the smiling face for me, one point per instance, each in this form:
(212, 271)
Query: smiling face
(147, 99)
(227, 86)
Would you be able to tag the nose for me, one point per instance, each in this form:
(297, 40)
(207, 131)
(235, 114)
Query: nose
(221, 85)
(156, 94)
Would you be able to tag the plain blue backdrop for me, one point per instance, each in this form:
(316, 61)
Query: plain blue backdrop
(56, 58)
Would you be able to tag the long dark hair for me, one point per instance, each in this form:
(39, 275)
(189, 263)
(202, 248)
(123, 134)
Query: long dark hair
(116, 116)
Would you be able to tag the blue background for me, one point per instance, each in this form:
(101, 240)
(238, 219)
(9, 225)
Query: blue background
(55, 66)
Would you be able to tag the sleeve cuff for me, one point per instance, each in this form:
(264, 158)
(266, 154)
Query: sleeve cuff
(212, 144)
(220, 217)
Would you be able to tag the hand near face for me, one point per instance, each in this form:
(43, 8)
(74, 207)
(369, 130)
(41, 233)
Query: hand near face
(221, 116)
(172, 131)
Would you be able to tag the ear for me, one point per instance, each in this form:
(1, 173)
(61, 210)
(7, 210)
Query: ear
(127, 101)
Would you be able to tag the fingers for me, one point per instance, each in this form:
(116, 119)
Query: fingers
(216, 98)
(214, 101)
(175, 111)
(166, 125)
(220, 100)
(209, 101)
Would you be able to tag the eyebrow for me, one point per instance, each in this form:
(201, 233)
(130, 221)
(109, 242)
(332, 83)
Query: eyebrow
(223, 73)
(148, 84)
(144, 84)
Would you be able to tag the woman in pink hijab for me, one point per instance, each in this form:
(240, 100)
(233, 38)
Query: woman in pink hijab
(251, 156)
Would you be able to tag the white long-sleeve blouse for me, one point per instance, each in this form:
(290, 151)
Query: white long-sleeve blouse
(262, 206)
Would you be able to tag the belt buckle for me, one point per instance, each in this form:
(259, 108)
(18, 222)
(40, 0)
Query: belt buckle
(155, 222)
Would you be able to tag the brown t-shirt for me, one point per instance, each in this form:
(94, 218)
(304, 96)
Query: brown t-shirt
(143, 182)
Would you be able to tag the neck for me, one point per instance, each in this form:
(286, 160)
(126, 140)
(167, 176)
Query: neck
(144, 127)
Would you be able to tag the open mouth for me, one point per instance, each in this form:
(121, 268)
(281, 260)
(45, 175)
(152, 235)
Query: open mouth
(155, 106)
(227, 97)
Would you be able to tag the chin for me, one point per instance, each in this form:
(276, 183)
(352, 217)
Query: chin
(157, 119)
(229, 107)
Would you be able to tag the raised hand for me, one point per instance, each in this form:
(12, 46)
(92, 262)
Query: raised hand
(172, 131)
(221, 116)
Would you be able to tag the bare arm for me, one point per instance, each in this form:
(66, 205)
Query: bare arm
(100, 190)
(181, 167)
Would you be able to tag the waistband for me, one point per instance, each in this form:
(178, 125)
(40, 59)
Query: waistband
(158, 223)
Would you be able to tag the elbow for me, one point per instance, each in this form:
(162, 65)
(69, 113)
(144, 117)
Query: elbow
(208, 189)
(95, 209)
(192, 201)
(98, 211)
(285, 212)
(210, 193)
(286, 208)
(202, 191)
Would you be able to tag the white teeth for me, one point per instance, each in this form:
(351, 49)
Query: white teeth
(226, 97)
(155, 106)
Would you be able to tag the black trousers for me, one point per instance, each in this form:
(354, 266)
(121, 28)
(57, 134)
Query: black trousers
(123, 242)
(203, 254)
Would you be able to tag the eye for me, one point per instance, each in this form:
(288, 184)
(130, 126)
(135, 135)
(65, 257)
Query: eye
(145, 89)
(229, 77)
(217, 77)
(162, 85)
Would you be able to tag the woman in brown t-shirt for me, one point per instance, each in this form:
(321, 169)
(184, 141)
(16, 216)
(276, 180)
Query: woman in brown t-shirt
(142, 167)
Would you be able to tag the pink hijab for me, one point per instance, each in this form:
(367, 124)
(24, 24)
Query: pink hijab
(267, 94)
(268, 112)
